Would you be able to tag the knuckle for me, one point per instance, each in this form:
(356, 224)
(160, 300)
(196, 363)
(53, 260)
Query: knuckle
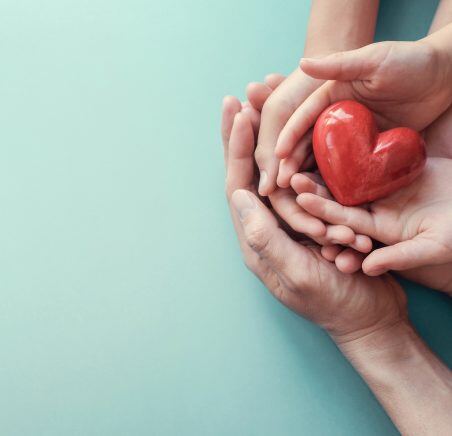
(257, 238)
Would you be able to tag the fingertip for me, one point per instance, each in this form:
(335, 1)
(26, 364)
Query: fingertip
(363, 243)
(252, 86)
(349, 261)
(304, 63)
(230, 101)
(309, 225)
(298, 183)
(305, 199)
(372, 268)
(344, 235)
(346, 266)
(281, 150)
(226, 99)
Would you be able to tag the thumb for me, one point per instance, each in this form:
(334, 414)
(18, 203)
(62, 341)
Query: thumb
(265, 237)
(345, 66)
(413, 253)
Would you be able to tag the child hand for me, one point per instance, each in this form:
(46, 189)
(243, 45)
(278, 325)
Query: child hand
(283, 201)
(414, 222)
(303, 157)
(403, 83)
(277, 105)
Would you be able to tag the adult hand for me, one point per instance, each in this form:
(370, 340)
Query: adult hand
(399, 218)
(347, 306)
(366, 316)
(403, 83)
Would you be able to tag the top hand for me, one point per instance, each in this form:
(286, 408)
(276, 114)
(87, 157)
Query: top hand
(403, 83)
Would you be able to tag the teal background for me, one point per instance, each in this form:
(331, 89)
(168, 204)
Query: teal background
(125, 306)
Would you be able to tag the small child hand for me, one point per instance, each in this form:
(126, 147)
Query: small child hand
(283, 200)
(347, 260)
(414, 222)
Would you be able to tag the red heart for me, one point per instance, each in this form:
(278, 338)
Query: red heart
(359, 164)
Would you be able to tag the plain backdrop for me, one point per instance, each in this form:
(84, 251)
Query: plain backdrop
(125, 308)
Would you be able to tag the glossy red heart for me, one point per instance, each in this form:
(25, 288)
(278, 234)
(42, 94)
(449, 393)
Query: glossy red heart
(359, 164)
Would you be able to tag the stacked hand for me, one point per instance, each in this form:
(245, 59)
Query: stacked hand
(348, 306)
(403, 83)
(309, 250)
(413, 221)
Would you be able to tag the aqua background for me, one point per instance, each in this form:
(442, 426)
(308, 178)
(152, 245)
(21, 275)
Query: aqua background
(125, 306)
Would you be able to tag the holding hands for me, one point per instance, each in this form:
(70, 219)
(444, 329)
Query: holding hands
(309, 250)
(404, 83)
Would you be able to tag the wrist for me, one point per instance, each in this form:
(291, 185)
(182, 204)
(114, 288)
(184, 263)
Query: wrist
(411, 383)
(390, 345)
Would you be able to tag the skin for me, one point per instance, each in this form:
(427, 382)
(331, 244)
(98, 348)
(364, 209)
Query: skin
(391, 358)
(365, 316)
(284, 203)
(403, 83)
(413, 222)
(283, 200)
(354, 27)
(317, 291)
(443, 16)
(433, 182)
(438, 137)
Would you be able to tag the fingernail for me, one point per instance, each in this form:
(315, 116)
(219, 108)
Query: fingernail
(263, 181)
(243, 203)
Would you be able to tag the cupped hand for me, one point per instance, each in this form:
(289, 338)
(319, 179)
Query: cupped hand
(348, 306)
(276, 111)
(414, 222)
(283, 200)
(403, 83)
(439, 276)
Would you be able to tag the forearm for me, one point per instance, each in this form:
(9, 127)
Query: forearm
(443, 16)
(340, 25)
(411, 383)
